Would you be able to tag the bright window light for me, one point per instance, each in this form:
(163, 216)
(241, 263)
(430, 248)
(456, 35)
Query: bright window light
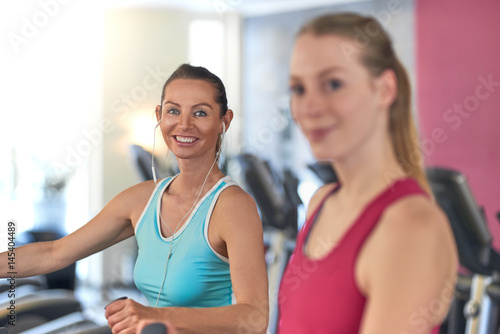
(206, 45)
(50, 74)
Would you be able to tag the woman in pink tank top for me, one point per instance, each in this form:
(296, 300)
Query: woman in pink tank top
(376, 254)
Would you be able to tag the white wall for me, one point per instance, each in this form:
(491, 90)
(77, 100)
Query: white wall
(267, 44)
(49, 86)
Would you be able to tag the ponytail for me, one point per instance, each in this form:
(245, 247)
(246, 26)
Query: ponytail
(403, 131)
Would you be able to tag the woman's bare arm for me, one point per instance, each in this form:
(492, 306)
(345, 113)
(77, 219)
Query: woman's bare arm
(412, 269)
(111, 225)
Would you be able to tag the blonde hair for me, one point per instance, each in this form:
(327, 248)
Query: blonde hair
(375, 51)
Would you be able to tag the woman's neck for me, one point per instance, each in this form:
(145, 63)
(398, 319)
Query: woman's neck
(193, 174)
(368, 172)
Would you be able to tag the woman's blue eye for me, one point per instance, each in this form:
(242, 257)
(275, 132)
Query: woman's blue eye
(172, 111)
(200, 113)
(334, 84)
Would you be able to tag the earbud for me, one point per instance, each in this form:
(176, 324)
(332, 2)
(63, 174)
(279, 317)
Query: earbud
(222, 135)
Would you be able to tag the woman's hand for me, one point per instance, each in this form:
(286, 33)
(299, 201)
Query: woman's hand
(124, 316)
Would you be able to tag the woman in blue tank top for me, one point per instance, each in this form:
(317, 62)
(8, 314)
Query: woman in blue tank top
(201, 255)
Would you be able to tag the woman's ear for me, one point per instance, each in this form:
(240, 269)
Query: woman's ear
(227, 118)
(158, 113)
(388, 87)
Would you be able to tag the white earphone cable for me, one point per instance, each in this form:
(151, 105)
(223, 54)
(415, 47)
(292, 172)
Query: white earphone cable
(178, 224)
(153, 154)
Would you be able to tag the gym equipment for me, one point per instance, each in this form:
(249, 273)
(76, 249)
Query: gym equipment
(482, 289)
(141, 160)
(277, 199)
(75, 323)
(324, 171)
(37, 308)
(156, 328)
(32, 282)
(54, 311)
(23, 286)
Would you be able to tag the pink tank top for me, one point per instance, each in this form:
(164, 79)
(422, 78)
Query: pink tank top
(321, 296)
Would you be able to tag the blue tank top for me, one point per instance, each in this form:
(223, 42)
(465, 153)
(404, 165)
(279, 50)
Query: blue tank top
(197, 276)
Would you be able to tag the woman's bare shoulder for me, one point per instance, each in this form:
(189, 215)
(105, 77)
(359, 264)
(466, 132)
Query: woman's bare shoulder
(134, 199)
(234, 196)
(319, 195)
(415, 212)
(412, 246)
(138, 192)
(415, 227)
(235, 212)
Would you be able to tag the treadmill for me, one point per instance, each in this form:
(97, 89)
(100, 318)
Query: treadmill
(475, 309)
(277, 200)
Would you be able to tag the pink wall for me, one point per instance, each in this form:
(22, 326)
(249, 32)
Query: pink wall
(458, 93)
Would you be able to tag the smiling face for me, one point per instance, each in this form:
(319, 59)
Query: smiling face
(190, 118)
(335, 100)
